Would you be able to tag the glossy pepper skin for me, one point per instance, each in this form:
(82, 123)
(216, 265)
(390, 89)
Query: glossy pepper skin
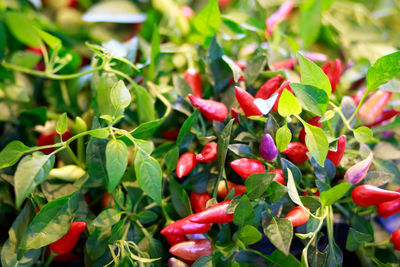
(281, 14)
(209, 153)
(355, 174)
(396, 239)
(199, 201)
(186, 164)
(333, 69)
(285, 85)
(192, 77)
(286, 64)
(245, 101)
(269, 87)
(46, 139)
(246, 167)
(279, 176)
(235, 114)
(313, 121)
(67, 243)
(214, 214)
(298, 216)
(175, 239)
(212, 110)
(296, 152)
(267, 148)
(336, 156)
(374, 106)
(192, 250)
(185, 226)
(389, 208)
(385, 116)
(222, 193)
(174, 262)
(369, 195)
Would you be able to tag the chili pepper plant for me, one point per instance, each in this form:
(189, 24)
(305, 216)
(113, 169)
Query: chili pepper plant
(202, 133)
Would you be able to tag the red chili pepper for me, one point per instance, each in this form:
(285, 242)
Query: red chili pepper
(46, 139)
(336, 156)
(245, 101)
(280, 15)
(222, 193)
(187, 12)
(192, 250)
(269, 87)
(214, 214)
(384, 117)
(296, 152)
(185, 226)
(389, 208)
(66, 243)
(313, 121)
(209, 153)
(175, 239)
(357, 173)
(192, 77)
(35, 50)
(246, 167)
(396, 239)
(235, 114)
(298, 216)
(283, 86)
(242, 65)
(279, 176)
(286, 64)
(211, 109)
(369, 195)
(170, 134)
(333, 69)
(186, 164)
(374, 106)
(199, 201)
(267, 148)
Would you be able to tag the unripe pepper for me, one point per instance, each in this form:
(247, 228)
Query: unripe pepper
(296, 152)
(199, 201)
(313, 121)
(279, 176)
(186, 164)
(192, 77)
(246, 167)
(374, 106)
(214, 214)
(396, 239)
(212, 110)
(357, 173)
(246, 102)
(66, 243)
(384, 117)
(192, 250)
(369, 195)
(222, 192)
(281, 14)
(389, 208)
(336, 156)
(298, 216)
(267, 149)
(209, 153)
(46, 139)
(333, 69)
(269, 87)
(185, 226)
(175, 239)
(285, 85)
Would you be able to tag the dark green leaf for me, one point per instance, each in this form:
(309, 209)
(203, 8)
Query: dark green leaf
(249, 235)
(180, 198)
(257, 184)
(171, 158)
(244, 213)
(241, 150)
(293, 168)
(145, 104)
(355, 239)
(223, 143)
(12, 153)
(276, 191)
(155, 51)
(254, 68)
(145, 130)
(185, 135)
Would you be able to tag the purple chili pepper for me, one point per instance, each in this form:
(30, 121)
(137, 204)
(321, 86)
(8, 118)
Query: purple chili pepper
(268, 149)
(358, 172)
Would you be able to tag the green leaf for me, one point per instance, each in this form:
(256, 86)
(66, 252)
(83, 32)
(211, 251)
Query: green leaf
(49, 39)
(185, 135)
(249, 235)
(203, 261)
(3, 40)
(155, 51)
(116, 162)
(23, 28)
(107, 217)
(317, 143)
(383, 70)
(31, 171)
(171, 158)
(102, 85)
(180, 198)
(244, 213)
(292, 190)
(62, 124)
(257, 184)
(255, 66)
(25, 59)
(335, 193)
(12, 153)
(281, 259)
(283, 137)
(101, 133)
(280, 233)
(355, 239)
(145, 104)
(149, 175)
(208, 21)
(312, 98)
(223, 143)
(145, 130)
(287, 165)
(237, 72)
(288, 104)
(276, 191)
(120, 96)
(363, 134)
(310, 21)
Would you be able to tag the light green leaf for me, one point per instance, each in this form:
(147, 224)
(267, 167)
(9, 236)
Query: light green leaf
(12, 153)
(208, 21)
(283, 137)
(310, 21)
(363, 134)
(288, 104)
(249, 235)
(107, 217)
(62, 124)
(244, 213)
(280, 233)
(49, 39)
(317, 143)
(335, 193)
(149, 175)
(145, 104)
(257, 184)
(23, 28)
(116, 162)
(312, 98)
(120, 96)
(383, 70)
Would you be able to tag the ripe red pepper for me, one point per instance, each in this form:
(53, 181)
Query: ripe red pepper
(269, 87)
(185, 226)
(396, 239)
(222, 193)
(199, 201)
(170, 134)
(296, 152)
(298, 216)
(46, 139)
(384, 117)
(192, 250)
(242, 65)
(35, 50)
(281, 14)
(286, 64)
(333, 69)
(235, 114)
(212, 110)
(357, 173)
(66, 243)
(267, 149)
(336, 156)
(209, 153)
(374, 106)
(192, 77)
(223, 3)
(279, 176)
(186, 164)
(283, 86)
(246, 167)
(389, 208)
(214, 214)
(175, 239)
(245, 101)
(369, 195)
(313, 121)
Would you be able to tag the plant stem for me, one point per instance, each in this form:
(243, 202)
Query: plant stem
(166, 103)
(74, 158)
(50, 259)
(344, 119)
